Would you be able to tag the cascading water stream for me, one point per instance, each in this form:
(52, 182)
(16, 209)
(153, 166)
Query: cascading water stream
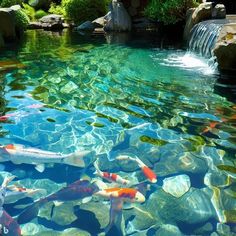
(204, 36)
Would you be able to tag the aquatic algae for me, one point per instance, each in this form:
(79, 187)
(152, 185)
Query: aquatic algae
(231, 169)
(230, 216)
(95, 124)
(153, 141)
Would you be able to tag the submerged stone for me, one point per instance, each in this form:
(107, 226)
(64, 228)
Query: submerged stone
(141, 219)
(168, 230)
(177, 186)
(192, 208)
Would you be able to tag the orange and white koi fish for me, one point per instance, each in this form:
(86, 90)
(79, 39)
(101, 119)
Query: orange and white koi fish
(20, 154)
(111, 177)
(150, 175)
(125, 194)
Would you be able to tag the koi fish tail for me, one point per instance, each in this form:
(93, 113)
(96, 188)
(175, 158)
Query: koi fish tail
(31, 211)
(115, 223)
(7, 180)
(76, 159)
(97, 170)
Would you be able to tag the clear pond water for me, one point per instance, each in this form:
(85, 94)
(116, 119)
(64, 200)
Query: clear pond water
(65, 93)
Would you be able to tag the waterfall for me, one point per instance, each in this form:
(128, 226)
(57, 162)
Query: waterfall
(204, 36)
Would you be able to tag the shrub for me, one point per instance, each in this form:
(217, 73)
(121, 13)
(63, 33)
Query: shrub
(29, 11)
(82, 10)
(168, 11)
(9, 3)
(22, 20)
(39, 14)
(56, 9)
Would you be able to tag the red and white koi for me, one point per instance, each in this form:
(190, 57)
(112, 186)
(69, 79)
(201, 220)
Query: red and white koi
(150, 175)
(20, 154)
(125, 194)
(111, 177)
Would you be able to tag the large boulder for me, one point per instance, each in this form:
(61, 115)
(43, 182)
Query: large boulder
(225, 47)
(194, 16)
(49, 22)
(117, 18)
(7, 23)
(1, 41)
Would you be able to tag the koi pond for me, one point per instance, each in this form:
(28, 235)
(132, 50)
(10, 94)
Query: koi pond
(156, 117)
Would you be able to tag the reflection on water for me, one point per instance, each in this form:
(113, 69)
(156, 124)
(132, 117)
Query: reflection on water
(72, 93)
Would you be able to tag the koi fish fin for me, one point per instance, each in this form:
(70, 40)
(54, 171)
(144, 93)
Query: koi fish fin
(76, 159)
(86, 199)
(8, 225)
(40, 168)
(97, 171)
(7, 180)
(57, 203)
(30, 212)
(115, 222)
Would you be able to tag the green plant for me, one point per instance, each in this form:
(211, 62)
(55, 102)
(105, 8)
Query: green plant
(40, 13)
(56, 9)
(9, 3)
(82, 10)
(21, 19)
(29, 11)
(168, 11)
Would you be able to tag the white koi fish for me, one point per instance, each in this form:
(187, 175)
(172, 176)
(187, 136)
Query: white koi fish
(20, 154)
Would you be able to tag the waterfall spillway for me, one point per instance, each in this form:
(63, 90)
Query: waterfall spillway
(204, 36)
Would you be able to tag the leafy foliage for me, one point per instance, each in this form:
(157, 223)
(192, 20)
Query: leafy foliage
(82, 10)
(9, 3)
(29, 11)
(168, 11)
(39, 14)
(22, 20)
(56, 9)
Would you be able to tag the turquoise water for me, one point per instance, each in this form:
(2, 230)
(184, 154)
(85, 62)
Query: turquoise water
(64, 93)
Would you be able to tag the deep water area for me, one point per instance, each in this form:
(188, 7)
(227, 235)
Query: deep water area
(119, 97)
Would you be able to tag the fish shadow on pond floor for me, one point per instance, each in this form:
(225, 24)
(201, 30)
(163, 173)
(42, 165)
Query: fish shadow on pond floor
(92, 225)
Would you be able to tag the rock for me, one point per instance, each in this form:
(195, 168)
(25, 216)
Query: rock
(143, 24)
(118, 18)
(177, 186)
(52, 22)
(135, 3)
(204, 230)
(195, 207)
(1, 41)
(225, 47)
(86, 26)
(35, 25)
(168, 230)
(219, 12)
(7, 23)
(194, 16)
(223, 229)
(141, 219)
(99, 22)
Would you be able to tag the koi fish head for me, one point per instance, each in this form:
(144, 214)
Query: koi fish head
(139, 197)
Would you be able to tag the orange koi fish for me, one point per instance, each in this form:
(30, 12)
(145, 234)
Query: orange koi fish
(150, 175)
(111, 177)
(125, 194)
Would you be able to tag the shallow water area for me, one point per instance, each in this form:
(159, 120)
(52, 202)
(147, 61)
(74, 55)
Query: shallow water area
(62, 92)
